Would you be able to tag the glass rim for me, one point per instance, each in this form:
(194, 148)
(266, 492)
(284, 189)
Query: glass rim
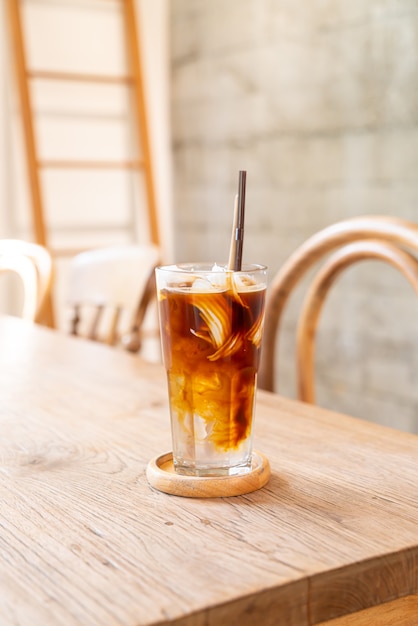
(206, 267)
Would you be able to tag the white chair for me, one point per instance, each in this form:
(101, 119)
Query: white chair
(110, 291)
(33, 264)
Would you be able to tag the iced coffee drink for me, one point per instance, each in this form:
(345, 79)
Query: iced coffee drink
(211, 322)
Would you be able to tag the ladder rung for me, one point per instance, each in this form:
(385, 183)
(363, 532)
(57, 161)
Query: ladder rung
(82, 78)
(92, 165)
(92, 227)
(58, 253)
(64, 253)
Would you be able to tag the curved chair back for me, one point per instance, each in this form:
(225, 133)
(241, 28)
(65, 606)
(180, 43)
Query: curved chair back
(390, 239)
(33, 264)
(109, 292)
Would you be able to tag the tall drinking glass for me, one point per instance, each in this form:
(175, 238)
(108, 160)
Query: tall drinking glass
(211, 322)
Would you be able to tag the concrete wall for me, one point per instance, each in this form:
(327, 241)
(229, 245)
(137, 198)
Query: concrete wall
(318, 101)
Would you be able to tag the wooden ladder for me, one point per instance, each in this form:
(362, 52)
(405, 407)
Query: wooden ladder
(133, 79)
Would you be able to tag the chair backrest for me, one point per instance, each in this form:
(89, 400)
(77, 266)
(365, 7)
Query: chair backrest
(33, 264)
(109, 292)
(368, 237)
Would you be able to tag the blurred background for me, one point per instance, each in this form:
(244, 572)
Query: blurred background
(316, 99)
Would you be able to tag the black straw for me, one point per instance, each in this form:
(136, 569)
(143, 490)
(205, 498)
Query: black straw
(239, 227)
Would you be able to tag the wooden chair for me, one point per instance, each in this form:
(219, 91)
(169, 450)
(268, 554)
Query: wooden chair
(368, 237)
(33, 264)
(110, 290)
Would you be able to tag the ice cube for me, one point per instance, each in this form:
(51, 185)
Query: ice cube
(218, 278)
(201, 285)
(244, 282)
(209, 284)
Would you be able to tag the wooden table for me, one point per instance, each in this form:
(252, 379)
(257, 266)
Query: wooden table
(85, 540)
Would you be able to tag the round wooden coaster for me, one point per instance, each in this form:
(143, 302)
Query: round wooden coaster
(161, 476)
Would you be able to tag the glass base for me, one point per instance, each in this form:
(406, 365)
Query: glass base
(201, 472)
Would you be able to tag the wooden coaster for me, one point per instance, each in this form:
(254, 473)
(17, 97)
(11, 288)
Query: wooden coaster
(161, 475)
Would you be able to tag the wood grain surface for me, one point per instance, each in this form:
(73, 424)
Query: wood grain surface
(84, 538)
(401, 612)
